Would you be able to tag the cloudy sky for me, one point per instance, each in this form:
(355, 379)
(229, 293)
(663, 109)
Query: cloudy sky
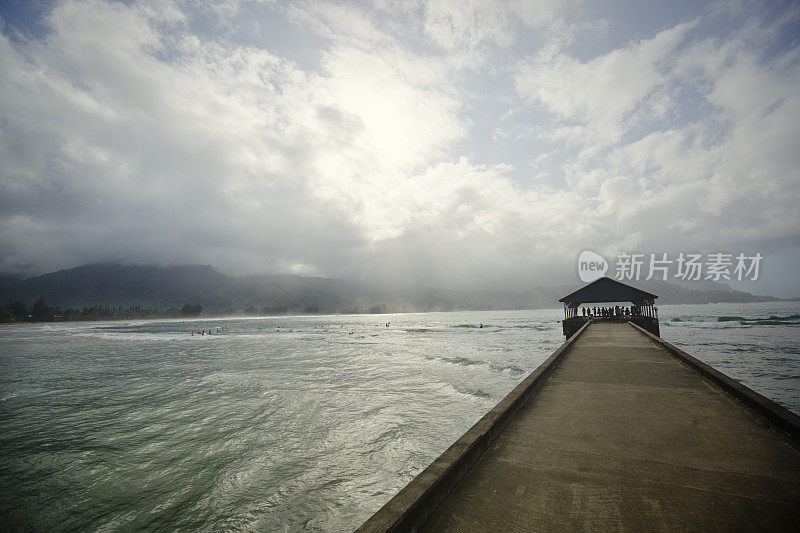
(460, 143)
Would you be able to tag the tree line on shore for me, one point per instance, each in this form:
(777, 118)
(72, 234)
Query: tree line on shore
(39, 311)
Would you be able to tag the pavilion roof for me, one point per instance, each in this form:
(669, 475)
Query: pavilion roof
(608, 290)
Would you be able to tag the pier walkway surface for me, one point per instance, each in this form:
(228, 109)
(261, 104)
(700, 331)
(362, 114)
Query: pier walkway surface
(623, 437)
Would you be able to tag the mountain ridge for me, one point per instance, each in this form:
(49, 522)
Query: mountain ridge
(112, 284)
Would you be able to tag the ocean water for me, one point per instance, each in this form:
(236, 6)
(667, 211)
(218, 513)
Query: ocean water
(291, 423)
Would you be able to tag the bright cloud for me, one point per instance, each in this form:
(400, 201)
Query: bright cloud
(603, 95)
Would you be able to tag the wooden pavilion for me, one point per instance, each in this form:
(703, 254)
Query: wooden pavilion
(606, 290)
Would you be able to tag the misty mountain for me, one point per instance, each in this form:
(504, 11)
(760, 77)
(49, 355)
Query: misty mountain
(112, 284)
(705, 292)
(165, 287)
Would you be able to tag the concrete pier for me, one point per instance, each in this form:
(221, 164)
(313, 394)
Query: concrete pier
(621, 434)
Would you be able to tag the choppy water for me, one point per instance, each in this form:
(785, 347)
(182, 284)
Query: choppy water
(291, 423)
